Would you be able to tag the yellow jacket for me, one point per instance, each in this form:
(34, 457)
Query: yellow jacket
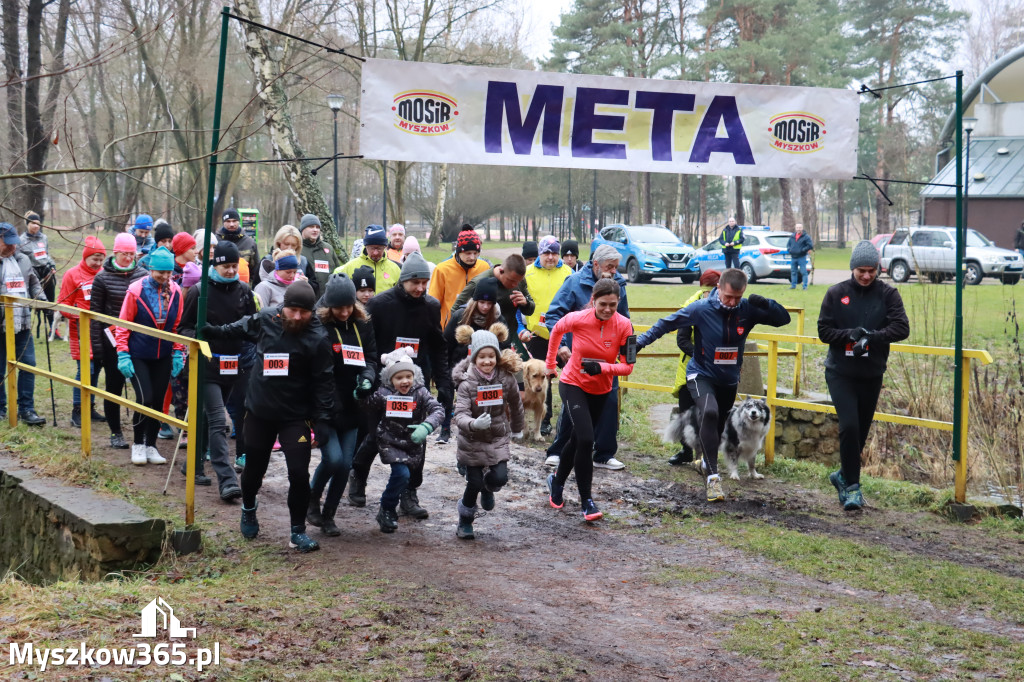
(386, 271)
(543, 285)
(448, 281)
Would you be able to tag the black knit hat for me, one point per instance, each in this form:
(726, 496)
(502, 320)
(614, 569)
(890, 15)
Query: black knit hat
(225, 253)
(299, 295)
(231, 214)
(571, 247)
(340, 291)
(162, 230)
(364, 278)
(486, 289)
(529, 250)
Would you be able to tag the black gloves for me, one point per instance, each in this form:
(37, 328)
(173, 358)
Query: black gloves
(861, 347)
(758, 301)
(210, 332)
(591, 367)
(858, 334)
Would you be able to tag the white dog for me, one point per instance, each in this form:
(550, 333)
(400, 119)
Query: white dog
(746, 426)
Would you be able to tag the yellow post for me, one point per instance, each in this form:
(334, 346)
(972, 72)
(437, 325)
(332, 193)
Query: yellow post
(193, 431)
(12, 379)
(773, 378)
(960, 484)
(84, 348)
(799, 362)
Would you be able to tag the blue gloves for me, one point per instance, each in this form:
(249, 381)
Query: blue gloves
(124, 364)
(177, 362)
(420, 432)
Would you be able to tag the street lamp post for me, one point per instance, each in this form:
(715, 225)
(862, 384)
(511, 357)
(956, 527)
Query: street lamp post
(335, 102)
(969, 123)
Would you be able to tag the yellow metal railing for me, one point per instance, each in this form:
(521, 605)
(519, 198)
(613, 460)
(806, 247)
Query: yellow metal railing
(191, 422)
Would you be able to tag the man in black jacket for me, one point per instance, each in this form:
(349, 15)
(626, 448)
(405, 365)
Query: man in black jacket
(292, 385)
(247, 248)
(405, 315)
(859, 319)
(732, 241)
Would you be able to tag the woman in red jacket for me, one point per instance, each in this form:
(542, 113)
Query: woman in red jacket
(598, 332)
(76, 290)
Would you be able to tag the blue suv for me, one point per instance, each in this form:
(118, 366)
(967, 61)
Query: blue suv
(648, 251)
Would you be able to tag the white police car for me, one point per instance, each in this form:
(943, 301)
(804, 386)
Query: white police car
(763, 254)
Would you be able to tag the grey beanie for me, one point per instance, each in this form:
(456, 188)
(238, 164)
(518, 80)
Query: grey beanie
(414, 268)
(864, 255)
(605, 253)
(340, 291)
(482, 339)
(308, 220)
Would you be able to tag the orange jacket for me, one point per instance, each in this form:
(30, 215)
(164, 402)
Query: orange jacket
(448, 281)
(76, 290)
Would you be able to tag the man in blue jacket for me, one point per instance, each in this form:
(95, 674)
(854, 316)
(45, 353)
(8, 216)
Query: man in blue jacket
(574, 295)
(799, 245)
(732, 241)
(721, 322)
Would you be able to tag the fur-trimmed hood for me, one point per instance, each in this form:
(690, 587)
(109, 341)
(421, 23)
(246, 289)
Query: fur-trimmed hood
(509, 361)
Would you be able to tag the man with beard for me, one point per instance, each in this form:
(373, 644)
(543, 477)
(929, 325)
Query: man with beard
(405, 316)
(721, 323)
(291, 385)
(451, 276)
(573, 295)
(233, 232)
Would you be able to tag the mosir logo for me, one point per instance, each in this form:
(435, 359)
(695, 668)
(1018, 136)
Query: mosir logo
(797, 132)
(422, 112)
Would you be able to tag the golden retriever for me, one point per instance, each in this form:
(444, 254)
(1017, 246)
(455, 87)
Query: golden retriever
(535, 390)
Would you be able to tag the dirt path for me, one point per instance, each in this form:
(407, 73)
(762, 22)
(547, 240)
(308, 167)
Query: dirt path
(629, 602)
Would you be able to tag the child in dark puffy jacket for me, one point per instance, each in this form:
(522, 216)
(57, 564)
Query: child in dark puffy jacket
(405, 414)
(485, 386)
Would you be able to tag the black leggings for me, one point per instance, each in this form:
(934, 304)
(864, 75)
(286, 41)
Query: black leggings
(114, 384)
(494, 480)
(584, 410)
(151, 377)
(295, 442)
(538, 347)
(855, 400)
(713, 403)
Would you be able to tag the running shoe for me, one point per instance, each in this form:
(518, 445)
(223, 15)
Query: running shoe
(166, 432)
(590, 511)
(153, 456)
(854, 498)
(611, 464)
(301, 541)
(249, 525)
(138, 454)
(552, 461)
(555, 492)
(837, 480)
(715, 493)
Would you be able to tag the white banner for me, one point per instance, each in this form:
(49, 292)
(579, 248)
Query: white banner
(415, 111)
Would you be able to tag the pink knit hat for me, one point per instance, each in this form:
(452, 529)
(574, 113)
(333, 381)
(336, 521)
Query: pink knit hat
(411, 244)
(124, 242)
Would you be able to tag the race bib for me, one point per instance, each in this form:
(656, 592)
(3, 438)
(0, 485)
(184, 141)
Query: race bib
(849, 350)
(412, 344)
(353, 355)
(87, 291)
(321, 266)
(727, 355)
(228, 365)
(275, 365)
(40, 251)
(489, 395)
(16, 287)
(399, 406)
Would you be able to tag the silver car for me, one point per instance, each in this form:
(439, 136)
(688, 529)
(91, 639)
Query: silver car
(929, 252)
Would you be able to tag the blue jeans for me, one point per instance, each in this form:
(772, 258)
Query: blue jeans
(396, 486)
(25, 353)
(335, 462)
(797, 264)
(94, 377)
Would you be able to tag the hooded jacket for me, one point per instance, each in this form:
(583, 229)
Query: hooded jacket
(347, 371)
(270, 290)
(878, 308)
(266, 271)
(487, 448)
(76, 290)
(508, 310)
(394, 440)
(323, 260)
(144, 304)
(720, 334)
(458, 349)
(293, 378)
(449, 279)
(385, 270)
(799, 246)
(227, 302)
(395, 314)
(247, 248)
(543, 285)
(109, 288)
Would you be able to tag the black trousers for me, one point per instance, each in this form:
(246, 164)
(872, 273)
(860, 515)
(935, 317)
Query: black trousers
(855, 400)
(584, 411)
(732, 258)
(713, 401)
(114, 384)
(476, 480)
(151, 377)
(295, 442)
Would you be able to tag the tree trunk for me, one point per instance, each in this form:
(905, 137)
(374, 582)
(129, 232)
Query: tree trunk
(648, 207)
(755, 201)
(808, 208)
(304, 187)
(788, 221)
(741, 214)
(840, 216)
(442, 191)
(702, 209)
